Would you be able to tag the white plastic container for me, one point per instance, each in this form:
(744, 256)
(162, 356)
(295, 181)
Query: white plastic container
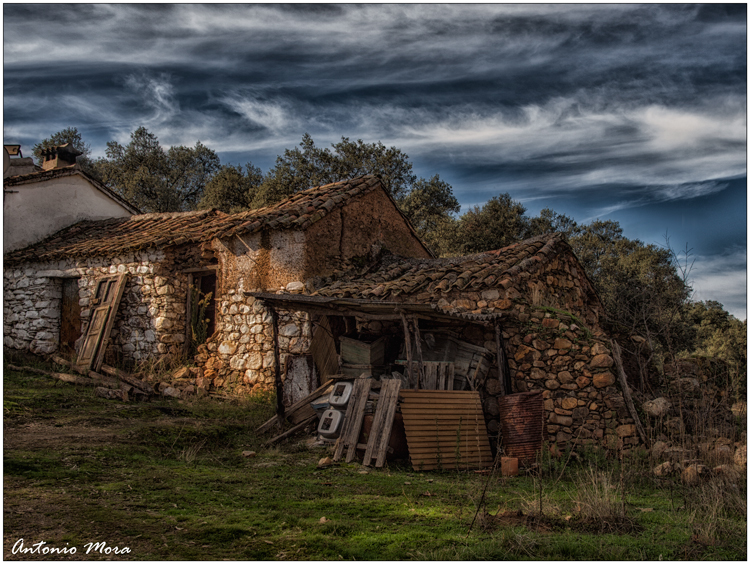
(340, 395)
(329, 425)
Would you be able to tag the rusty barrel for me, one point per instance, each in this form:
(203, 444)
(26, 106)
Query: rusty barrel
(522, 425)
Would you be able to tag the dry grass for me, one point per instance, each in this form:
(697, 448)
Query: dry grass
(599, 502)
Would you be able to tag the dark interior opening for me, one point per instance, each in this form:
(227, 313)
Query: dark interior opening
(70, 316)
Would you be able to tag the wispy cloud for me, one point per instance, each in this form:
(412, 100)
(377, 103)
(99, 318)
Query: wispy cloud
(723, 278)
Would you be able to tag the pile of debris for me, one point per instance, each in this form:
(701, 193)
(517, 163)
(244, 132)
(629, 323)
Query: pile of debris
(113, 384)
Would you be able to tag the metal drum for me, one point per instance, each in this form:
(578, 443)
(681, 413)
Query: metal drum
(522, 425)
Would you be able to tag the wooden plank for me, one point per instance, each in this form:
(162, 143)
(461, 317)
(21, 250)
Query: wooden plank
(413, 381)
(355, 414)
(129, 378)
(382, 423)
(291, 431)
(114, 302)
(323, 350)
(430, 394)
(299, 410)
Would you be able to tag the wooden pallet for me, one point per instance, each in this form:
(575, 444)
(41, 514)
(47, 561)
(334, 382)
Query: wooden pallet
(355, 414)
(437, 376)
(445, 429)
(382, 424)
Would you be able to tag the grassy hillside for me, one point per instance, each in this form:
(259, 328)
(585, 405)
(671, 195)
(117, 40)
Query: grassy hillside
(168, 480)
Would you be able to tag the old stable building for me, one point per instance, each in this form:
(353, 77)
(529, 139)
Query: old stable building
(331, 280)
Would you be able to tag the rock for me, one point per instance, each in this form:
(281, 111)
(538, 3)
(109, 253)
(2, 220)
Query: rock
(658, 448)
(564, 377)
(552, 384)
(658, 407)
(181, 373)
(727, 470)
(625, 431)
(170, 392)
(602, 361)
(569, 403)
(604, 379)
(562, 344)
(687, 385)
(492, 386)
(295, 287)
(325, 462)
(724, 453)
(694, 473)
(678, 454)
(664, 469)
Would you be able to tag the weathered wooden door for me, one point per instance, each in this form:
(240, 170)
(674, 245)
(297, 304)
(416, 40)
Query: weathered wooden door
(105, 302)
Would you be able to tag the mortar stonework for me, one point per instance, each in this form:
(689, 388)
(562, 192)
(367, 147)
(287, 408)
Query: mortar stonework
(150, 321)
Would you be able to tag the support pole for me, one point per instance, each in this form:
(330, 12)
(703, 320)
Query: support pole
(407, 338)
(626, 393)
(277, 367)
(502, 362)
(418, 342)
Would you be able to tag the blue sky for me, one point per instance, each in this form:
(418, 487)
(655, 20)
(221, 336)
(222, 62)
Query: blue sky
(630, 112)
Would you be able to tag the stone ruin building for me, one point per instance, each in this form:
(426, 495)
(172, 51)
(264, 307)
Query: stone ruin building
(332, 262)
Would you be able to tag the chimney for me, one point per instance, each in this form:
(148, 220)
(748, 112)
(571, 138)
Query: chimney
(59, 157)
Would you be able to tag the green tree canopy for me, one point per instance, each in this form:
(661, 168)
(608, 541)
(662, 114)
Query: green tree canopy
(156, 180)
(308, 165)
(498, 223)
(232, 189)
(430, 206)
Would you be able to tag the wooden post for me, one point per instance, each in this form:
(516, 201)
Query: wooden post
(407, 337)
(277, 367)
(418, 342)
(626, 393)
(501, 360)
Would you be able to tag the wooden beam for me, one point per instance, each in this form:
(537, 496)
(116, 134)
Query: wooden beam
(418, 343)
(407, 337)
(501, 360)
(277, 366)
(626, 392)
(291, 431)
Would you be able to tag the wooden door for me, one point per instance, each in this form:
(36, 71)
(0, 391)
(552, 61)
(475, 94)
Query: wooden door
(105, 302)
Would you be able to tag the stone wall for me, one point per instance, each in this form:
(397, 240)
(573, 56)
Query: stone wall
(150, 321)
(239, 357)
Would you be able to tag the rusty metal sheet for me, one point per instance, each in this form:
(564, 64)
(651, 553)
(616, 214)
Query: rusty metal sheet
(522, 425)
(445, 429)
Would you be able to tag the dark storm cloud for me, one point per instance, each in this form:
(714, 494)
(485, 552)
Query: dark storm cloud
(603, 107)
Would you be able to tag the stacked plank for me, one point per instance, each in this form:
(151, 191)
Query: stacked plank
(437, 376)
(445, 429)
(355, 414)
(382, 424)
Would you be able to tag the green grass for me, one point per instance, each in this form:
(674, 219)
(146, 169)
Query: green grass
(168, 480)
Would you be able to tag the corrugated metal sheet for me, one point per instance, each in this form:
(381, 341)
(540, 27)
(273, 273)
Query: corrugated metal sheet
(522, 425)
(445, 429)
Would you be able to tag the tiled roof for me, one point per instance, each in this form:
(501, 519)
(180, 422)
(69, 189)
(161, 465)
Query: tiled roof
(405, 276)
(117, 236)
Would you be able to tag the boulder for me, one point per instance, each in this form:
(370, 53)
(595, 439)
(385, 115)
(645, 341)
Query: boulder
(658, 448)
(665, 469)
(694, 473)
(658, 407)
